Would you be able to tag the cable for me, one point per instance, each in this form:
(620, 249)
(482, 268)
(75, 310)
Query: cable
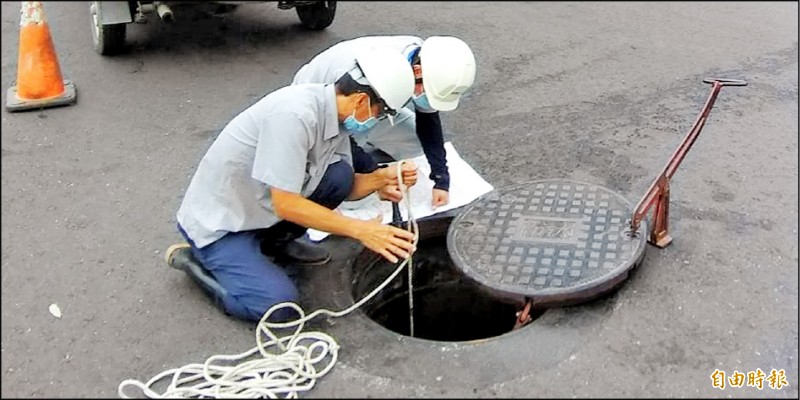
(295, 368)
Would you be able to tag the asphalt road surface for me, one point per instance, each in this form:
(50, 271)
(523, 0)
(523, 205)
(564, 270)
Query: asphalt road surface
(598, 92)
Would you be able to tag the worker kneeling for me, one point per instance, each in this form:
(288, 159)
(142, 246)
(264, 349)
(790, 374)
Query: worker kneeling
(280, 167)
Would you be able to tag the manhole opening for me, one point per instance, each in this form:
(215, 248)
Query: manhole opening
(447, 306)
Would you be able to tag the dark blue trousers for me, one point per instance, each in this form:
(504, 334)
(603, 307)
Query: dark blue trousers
(253, 281)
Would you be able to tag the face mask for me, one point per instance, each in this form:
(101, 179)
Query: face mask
(422, 104)
(359, 128)
(352, 125)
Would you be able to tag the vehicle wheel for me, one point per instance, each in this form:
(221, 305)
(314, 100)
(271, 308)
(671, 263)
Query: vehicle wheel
(107, 39)
(317, 16)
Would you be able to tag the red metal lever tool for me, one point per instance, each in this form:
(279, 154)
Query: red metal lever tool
(658, 194)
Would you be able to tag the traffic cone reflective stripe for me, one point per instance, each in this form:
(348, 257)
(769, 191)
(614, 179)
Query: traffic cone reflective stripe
(39, 80)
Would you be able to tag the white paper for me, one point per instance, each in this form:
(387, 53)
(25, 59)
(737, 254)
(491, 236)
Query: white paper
(54, 310)
(466, 185)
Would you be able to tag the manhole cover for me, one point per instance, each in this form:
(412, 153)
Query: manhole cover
(555, 242)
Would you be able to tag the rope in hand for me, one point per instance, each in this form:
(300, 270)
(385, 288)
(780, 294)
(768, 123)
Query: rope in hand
(413, 228)
(288, 365)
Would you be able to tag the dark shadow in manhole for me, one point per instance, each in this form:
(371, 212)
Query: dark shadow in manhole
(447, 305)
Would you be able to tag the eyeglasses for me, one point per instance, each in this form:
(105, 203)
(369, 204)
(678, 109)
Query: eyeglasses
(384, 111)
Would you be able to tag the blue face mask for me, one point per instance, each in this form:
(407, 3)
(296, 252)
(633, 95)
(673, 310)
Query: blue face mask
(359, 129)
(352, 125)
(421, 103)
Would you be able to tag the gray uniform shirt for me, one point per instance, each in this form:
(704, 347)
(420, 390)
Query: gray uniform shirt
(335, 61)
(286, 140)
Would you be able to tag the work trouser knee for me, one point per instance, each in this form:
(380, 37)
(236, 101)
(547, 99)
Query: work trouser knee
(252, 282)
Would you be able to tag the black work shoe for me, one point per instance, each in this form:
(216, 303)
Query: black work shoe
(301, 252)
(180, 257)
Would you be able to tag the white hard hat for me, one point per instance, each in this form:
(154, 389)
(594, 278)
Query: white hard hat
(389, 74)
(448, 70)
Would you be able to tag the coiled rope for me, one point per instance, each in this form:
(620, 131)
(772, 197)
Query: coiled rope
(287, 365)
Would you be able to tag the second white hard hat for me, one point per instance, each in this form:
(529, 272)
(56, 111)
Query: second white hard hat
(448, 70)
(389, 74)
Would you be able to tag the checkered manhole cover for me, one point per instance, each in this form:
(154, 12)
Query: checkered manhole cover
(555, 242)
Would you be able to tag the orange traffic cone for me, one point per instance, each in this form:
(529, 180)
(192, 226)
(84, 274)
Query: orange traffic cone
(39, 81)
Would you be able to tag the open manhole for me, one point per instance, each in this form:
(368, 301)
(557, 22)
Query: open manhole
(447, 305)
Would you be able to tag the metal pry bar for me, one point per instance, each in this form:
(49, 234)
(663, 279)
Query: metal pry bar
(658, 193)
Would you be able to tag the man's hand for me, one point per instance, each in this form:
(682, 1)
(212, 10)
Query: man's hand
(408, 171)
(391, 190)
(440, 198)
(391, 193)
(386, 240)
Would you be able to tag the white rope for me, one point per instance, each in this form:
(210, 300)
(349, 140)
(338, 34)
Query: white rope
(288, 365)
(412, 227)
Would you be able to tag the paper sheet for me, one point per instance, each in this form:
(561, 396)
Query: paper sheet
(466, 185)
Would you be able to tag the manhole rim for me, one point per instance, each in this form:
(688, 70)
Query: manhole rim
(366, 255)
(545, 343)
(553, 297)
(461, 343)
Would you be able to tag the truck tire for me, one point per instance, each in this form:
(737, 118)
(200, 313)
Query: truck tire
(317, 16)
(106, 39)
